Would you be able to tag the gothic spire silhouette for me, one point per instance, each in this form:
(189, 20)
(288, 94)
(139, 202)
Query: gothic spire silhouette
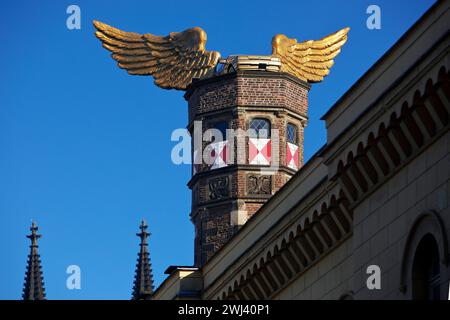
(33, 288)
(143, 279)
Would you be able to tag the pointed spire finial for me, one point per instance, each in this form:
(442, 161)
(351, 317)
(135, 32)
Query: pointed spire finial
(143, 279)
(143, 234)
(34, 236)
(34, 281)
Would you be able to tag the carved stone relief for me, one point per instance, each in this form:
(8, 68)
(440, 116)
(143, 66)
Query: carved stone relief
(259, 184)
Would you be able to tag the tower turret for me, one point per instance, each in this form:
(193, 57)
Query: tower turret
(261, 114)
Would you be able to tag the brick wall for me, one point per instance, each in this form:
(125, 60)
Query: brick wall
(248, 89)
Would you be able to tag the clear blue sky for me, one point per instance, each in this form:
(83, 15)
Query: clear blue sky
(85, 148)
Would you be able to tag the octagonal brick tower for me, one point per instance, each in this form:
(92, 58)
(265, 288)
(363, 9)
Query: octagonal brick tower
(249, 92)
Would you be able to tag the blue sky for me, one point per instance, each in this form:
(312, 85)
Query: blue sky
(85, 148)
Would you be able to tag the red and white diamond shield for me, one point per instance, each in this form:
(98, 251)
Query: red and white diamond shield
(292, 156)
(259, 151)
(219, 154)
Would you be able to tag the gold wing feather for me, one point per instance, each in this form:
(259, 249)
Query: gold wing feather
(310, 60)
(172, 60)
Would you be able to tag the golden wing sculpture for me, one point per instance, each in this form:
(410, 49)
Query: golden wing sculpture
(310, 60)
(172, 60)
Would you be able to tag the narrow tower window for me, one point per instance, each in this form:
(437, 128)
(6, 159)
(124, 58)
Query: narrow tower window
(261, 127)
(222, 126)
(292, 133)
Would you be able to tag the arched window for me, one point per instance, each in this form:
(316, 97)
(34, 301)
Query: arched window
(222, 126)
(261, 127)
(425, 258)
(292, 133)
(425, 270)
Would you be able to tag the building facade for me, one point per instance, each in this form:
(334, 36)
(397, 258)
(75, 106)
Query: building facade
(374, 201)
